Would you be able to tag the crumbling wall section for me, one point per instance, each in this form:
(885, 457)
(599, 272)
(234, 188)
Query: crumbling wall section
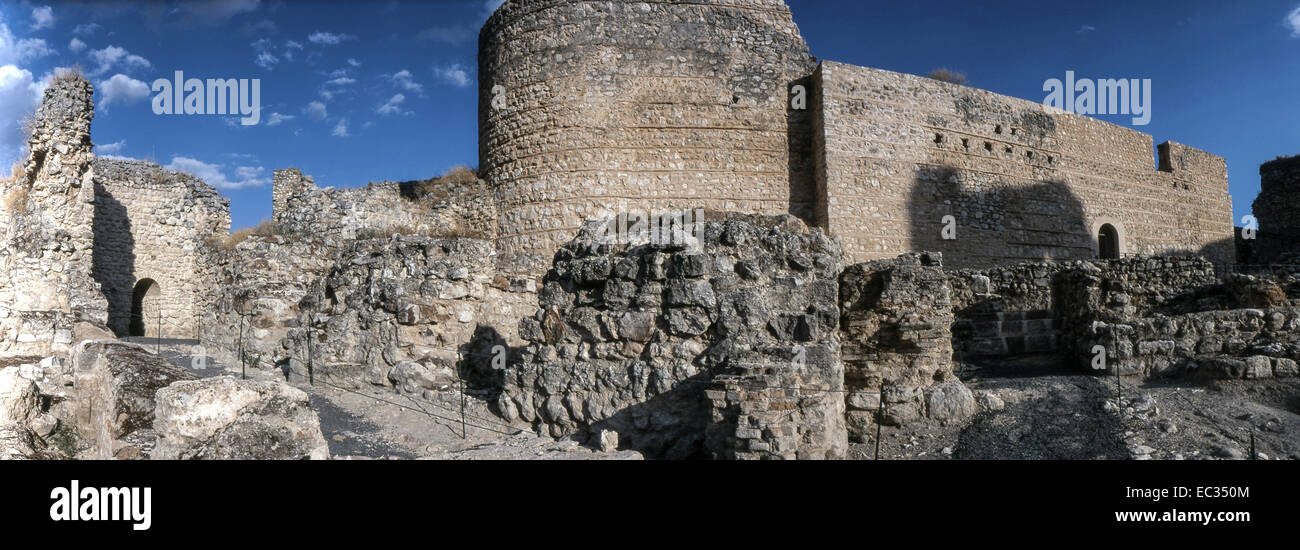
(1278, 237)
(895, 322)
(386, 303)
(48, 294)
(441, 207)
(723, 344)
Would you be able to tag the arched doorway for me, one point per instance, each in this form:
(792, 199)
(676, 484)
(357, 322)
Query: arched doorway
(144, 307)
(1108, 242)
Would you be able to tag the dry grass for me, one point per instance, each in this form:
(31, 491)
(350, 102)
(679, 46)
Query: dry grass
(460, 175)
(267, 228)
(15, 200)
(69, 74)
(943, 74)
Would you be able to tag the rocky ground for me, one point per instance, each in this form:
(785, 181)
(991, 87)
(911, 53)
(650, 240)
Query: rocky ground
(1034, 408)
(369, 422)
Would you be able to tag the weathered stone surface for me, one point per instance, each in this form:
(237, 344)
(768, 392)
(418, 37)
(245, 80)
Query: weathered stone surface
(114, 389)
(226, 418)
(949, 401)
(691, 359)
(19, 408)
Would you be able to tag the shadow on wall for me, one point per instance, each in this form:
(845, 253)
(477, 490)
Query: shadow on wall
(113, 259)
(804, 198)
(993, 224)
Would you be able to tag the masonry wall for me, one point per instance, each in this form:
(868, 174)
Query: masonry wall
(436, 207)
(1278, 236)
(154, 224)
(652, 106)
(1023, 182)
(48, 297)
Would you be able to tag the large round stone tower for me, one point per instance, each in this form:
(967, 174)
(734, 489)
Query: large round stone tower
(1277, 208)
(593, 108)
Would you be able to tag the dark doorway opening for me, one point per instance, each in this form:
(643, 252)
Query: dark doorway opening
(1108, 242)
(144, 289)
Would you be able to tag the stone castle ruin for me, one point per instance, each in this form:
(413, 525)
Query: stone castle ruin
(821, 302)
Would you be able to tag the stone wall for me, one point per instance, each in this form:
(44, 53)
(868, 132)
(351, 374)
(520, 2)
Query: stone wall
(1275, 208)
(1241, 343)
(48, 296)
(725, 346)
(1022, 182)
(152, 226)
(440, 207)
(255, 289)
(652, 105)
(1007, 310)
(385, 303)
(895, 319)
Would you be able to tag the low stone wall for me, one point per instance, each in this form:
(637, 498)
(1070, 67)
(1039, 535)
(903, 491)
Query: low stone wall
(728, 348)
(1007, 310)
(1213, 344)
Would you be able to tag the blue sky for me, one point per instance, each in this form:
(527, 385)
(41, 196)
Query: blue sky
(355, 92)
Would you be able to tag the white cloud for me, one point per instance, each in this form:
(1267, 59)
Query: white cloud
(121, 89)
(453, 34)
(110, 148)
(42, 17)
(341, 81)
(19, 94)
(405, 80)
(328, 39)
(277, 119)
(1083, 29)
(33, 48)
(456, 75)
(265, 59)
(1292, 22)
(354, 62)
(113, 57)
(316, 110)
(76, 45)
(393, 106)
(86, 29)
(289, 48)
(340, 129)
(214, 175)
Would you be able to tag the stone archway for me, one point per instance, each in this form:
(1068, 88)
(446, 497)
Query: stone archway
(145, 308)
(1108, 242)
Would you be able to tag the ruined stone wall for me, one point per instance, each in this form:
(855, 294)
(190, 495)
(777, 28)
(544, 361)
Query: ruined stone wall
(895, 319)
(1007, 310)
(725, 348)
(154, 224)
(255, 289)
(1240, 343)
(443, 209)
(1023, 182)
(387, 303)
(47, 292)
(604, 107)
(1276, 209)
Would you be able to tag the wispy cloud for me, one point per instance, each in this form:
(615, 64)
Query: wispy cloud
(456, 75)
(394, 106)
(404, 80)
(215, 175)
(322, 38)
(316, 110)
(114, 57)
(340, 129)
(277, 119)
(1084, 29)
(1292, 22)
(452, 34)
(42, 17)
(113, 148)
